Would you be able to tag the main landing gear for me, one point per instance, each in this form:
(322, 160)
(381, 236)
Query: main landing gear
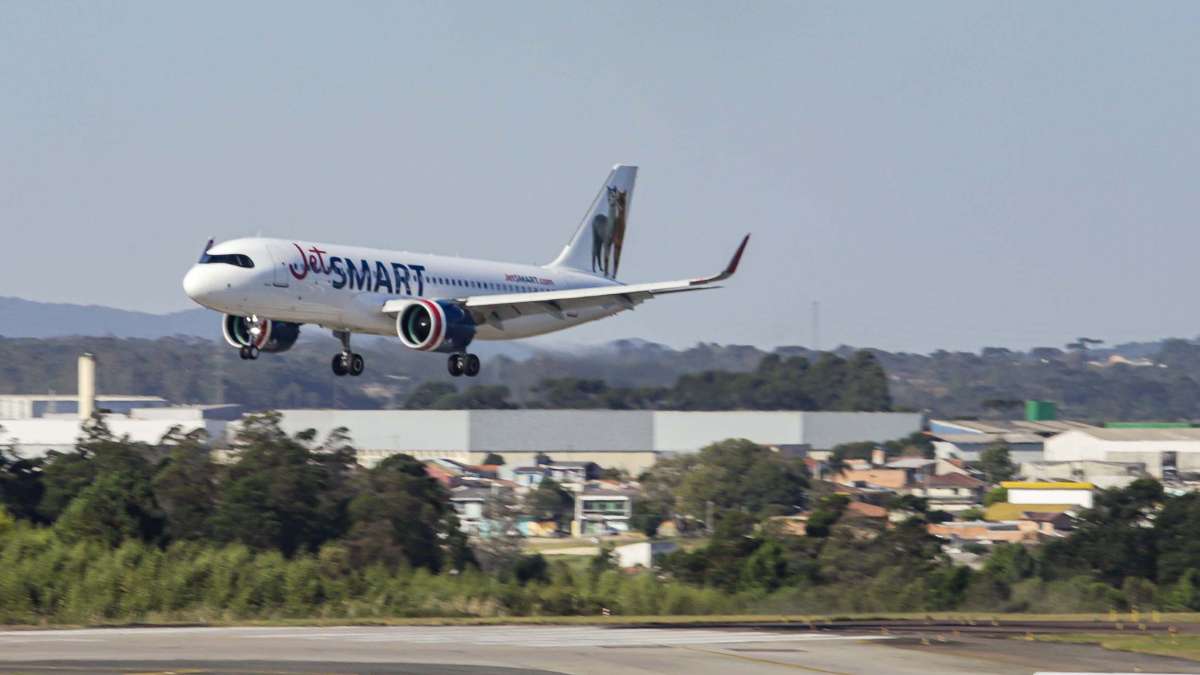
(463, 364)
(347, 362)
(248, 353)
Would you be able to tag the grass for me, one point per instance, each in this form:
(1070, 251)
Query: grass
(1179, 646)
(1184, 642)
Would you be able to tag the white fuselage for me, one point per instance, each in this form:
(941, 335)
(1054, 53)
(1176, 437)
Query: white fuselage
(345, 287)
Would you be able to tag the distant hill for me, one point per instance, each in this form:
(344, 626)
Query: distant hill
(24, 318)
(27, 319)
(180, 356)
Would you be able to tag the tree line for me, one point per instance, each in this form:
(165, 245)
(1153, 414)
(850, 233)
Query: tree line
(777, 383)
(290, 526)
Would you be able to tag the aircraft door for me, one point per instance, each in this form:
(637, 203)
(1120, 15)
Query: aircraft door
(282, 274)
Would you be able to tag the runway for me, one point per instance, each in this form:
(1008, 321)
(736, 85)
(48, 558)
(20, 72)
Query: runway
(582, 650)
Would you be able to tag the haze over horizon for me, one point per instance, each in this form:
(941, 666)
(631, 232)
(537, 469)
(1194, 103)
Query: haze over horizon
(937, 175)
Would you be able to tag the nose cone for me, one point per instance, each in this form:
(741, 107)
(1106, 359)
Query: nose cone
(200, 284)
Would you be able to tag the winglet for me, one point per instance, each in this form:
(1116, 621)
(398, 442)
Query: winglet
(737, 258)
(729, 269)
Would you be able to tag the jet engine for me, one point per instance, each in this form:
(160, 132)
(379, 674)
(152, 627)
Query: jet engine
(266, 335)
(435, 326)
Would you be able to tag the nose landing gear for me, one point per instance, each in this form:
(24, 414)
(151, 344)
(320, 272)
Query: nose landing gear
(463, 364)
(248, 353)
(347, 362)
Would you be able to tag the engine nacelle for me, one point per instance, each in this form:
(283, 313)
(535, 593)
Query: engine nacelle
(266, 335)
(435, 326)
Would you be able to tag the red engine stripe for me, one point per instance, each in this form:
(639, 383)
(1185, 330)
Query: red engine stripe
(439, 326)
(264, 333)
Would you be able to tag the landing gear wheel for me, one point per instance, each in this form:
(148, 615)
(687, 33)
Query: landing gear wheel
(356, 365)
(248, 353)
(471, 368)
(339, 365)
(456, 364)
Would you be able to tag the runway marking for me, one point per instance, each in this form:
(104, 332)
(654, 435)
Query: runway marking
(6, 640)
(759, 659)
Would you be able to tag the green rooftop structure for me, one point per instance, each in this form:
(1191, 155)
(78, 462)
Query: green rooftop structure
(1040, 411)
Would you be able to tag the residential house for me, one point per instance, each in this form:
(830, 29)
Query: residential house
(470, 503)
(572, 473)
(951, 492)
(600, 512)
(528, 476)
(642, 553)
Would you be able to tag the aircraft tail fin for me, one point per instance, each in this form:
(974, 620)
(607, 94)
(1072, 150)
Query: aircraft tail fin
(600, 238)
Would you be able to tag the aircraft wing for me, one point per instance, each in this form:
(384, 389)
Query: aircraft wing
(496, 309)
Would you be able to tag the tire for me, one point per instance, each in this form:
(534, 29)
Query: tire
(471, 368)
(252, 352)
(242, 353)
(339, 367)
(456, 364)
(357, 364)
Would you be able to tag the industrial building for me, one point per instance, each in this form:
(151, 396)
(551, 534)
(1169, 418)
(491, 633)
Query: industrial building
(1025, 439)
(37, 424)
(1162, 451)
(32, 406)
(626, 439)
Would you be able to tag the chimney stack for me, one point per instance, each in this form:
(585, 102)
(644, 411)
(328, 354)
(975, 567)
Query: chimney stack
(87, 386)
(878, 457)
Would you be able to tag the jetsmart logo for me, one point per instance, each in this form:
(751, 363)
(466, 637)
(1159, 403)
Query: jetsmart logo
(365, 275)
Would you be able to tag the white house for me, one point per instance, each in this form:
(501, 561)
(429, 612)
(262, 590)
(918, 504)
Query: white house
(1033, 493)
(599, 512)
(642, 553)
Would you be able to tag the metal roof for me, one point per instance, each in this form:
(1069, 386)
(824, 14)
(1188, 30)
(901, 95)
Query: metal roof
(1107, 434)
(987, 439)
(1011, 426)
(1048, 485)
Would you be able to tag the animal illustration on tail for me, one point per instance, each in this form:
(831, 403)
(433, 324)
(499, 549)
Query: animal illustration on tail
(608, 233)
(602, 241)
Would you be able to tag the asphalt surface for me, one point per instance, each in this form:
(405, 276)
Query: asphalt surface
(583, 650)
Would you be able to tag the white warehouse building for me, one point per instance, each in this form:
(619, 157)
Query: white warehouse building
(1160, 450)
(628, 439)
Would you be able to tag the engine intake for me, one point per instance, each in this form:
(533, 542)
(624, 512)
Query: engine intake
(266, 335)
(435, 326)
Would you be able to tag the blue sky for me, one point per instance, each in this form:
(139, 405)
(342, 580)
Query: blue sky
(937, 175)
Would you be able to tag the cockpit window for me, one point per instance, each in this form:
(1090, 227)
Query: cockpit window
(235, 259)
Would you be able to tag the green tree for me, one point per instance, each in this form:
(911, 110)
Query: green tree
(401, 515)
(277, 495)
(114, 508)
(996, 464)
(21, 485)
(1010, 563)
(647, 517)
(738, 475)
(866, 385)
(428, 393)
(185, 486)
(549, 501)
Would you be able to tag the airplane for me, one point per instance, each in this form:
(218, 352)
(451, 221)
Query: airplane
(267, 288)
